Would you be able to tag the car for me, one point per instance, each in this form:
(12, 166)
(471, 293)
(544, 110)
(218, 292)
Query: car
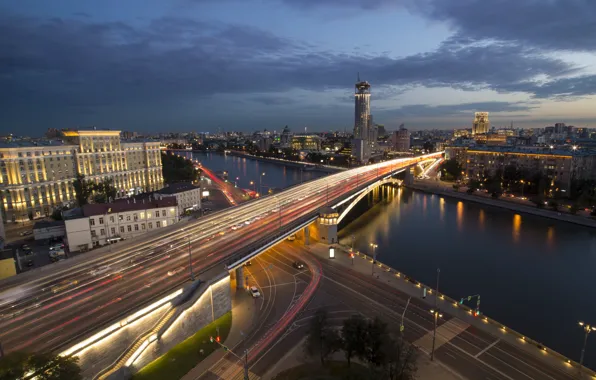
(254, 292)
(57, 247)
(298, 265)
(29, 263)
(63, 285)
(175, 271)
(292, 237)
(100, 270)
(25, 233)
(248, 263)
(25, 247)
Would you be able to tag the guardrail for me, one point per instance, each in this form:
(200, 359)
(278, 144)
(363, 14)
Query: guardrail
(540, 347)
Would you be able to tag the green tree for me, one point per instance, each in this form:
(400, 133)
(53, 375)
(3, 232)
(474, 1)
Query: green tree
(322, 340)
(428, 146)
(178, 169)
(353, 335)
(473, 185)
(45, 366)
(83, 189)
(451, 170)
(377, 343)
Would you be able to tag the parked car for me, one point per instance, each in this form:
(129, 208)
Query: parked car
(25, 233)
(25, 248)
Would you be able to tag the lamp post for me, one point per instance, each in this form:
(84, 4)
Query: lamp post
(260, 183)
(435, 311)
(522, 182)
(587, 329)
(374, 248)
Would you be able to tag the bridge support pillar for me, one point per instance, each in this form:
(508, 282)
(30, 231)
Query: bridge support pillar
(240, 277)
(327, 226)
(409, 177)
(306, 236)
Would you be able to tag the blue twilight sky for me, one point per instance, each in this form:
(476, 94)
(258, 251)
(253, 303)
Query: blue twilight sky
(204, 65)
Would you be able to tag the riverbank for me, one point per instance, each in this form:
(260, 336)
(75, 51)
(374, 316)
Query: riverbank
(295, 164)
(447, 192)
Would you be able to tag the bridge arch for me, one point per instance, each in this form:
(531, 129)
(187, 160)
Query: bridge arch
(365, 192)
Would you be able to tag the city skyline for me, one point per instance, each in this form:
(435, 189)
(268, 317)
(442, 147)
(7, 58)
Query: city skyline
(195, 65)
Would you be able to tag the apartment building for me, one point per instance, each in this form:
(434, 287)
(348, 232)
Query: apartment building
(35, 178)
(101, 224)
(188, 196)
(558, 165)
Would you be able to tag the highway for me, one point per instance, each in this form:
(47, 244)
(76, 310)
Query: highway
(48, 309)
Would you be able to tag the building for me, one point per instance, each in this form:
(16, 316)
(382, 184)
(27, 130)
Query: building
(400, 140)
(306, 142)
(381, 131)
(362, 116)
(36, 178)
(361, 150)
(286, 137)
(560, 166)
(101, 224)
(188, 196)
(481, 123)
(265, 143)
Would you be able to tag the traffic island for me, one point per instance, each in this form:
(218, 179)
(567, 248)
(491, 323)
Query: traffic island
(185, 356)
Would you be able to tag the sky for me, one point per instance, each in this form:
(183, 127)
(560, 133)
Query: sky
(246, 65)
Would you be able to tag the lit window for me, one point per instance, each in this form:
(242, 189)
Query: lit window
(165, 223)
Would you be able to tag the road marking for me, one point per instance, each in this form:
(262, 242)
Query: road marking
(487, 348)
(451, 355)
(445, 333)
(285, 283)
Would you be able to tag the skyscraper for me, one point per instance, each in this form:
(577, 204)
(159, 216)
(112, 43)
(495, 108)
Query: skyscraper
(481, 124)
(362, 119)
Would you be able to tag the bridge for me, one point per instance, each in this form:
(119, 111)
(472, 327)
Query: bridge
(54, 307)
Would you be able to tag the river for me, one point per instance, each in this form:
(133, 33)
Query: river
(534, 275)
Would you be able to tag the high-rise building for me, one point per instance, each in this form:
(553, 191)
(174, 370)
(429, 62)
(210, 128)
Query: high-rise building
(362, 117)
(400, 140)
(35, 178)
(481, 124)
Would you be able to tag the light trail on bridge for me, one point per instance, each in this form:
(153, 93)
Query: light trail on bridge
(42, 311)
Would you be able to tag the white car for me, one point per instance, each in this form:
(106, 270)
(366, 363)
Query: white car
(100, 270)
(254, 292)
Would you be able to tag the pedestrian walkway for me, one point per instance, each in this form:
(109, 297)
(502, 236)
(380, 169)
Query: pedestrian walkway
(243, 318)
(445, 333)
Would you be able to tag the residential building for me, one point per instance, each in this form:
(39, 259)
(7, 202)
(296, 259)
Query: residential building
(100, 224)
(481, 123)
(560, 166)
(35, 178)
(286, 137)
(188, 196)
(306, 142)
(400, 140)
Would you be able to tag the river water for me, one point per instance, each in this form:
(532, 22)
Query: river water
(534, 275)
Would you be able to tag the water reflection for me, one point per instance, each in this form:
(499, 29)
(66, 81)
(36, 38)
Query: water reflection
(460, 216)
(442, 209)
(481, 217)
(550, 237)
(517, 220)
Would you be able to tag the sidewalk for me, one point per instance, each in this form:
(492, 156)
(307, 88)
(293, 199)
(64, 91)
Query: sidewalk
(242, 323)
(395, 279)
(427, 370)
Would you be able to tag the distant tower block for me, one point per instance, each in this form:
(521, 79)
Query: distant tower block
(327, 225)
(362, 116)
(481, 124)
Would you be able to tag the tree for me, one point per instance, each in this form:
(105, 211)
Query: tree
(353, 335)
(473, 185)
(451, 170)
(401, 362)
(428, 146)
(83, 189)
(45, 366)
(493, 185)
(377, 342)
(322, 340)
(178, 169)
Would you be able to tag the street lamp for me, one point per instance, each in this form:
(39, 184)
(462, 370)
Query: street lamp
(254, 187)
(437, 314)
(522, 182)
(260, 183)
(374, 248)
(587, 329)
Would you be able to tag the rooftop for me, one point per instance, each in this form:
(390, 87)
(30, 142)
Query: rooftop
(30, 144)
(178, 188)
(127, 205)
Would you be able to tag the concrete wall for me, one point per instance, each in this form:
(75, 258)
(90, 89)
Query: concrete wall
(78, 234)
(198, 313)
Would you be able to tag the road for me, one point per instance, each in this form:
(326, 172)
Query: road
(50, 307)
(473, 353)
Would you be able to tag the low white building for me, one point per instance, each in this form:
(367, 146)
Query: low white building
(101, 224)
(188, 196)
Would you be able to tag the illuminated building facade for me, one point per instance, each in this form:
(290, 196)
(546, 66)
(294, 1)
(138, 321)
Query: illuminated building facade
(481, 123)
(306, 142)
(559, 166)
(36, 178)
(362, 117)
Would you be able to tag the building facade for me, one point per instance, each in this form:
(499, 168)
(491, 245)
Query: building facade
(362, 116)
(400, 140)
(187, 195)
(481, 123)
(559, 166)
(306, 142)
(101, 224)
(37, 178)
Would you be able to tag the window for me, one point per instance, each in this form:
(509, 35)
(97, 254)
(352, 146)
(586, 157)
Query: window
(143, 226)
(158, 224)
(102, 232)
(111, 219)
(157, 214)
(129, 228)
(101, 221)
(93, 233)
(150, 225)
(135, 217)
(136, 227)
(113, 229)
(149, 215)
(120, 217)
(165, 223)
(92, 222)
(128, 218)
(121, 229)
(142, 215)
